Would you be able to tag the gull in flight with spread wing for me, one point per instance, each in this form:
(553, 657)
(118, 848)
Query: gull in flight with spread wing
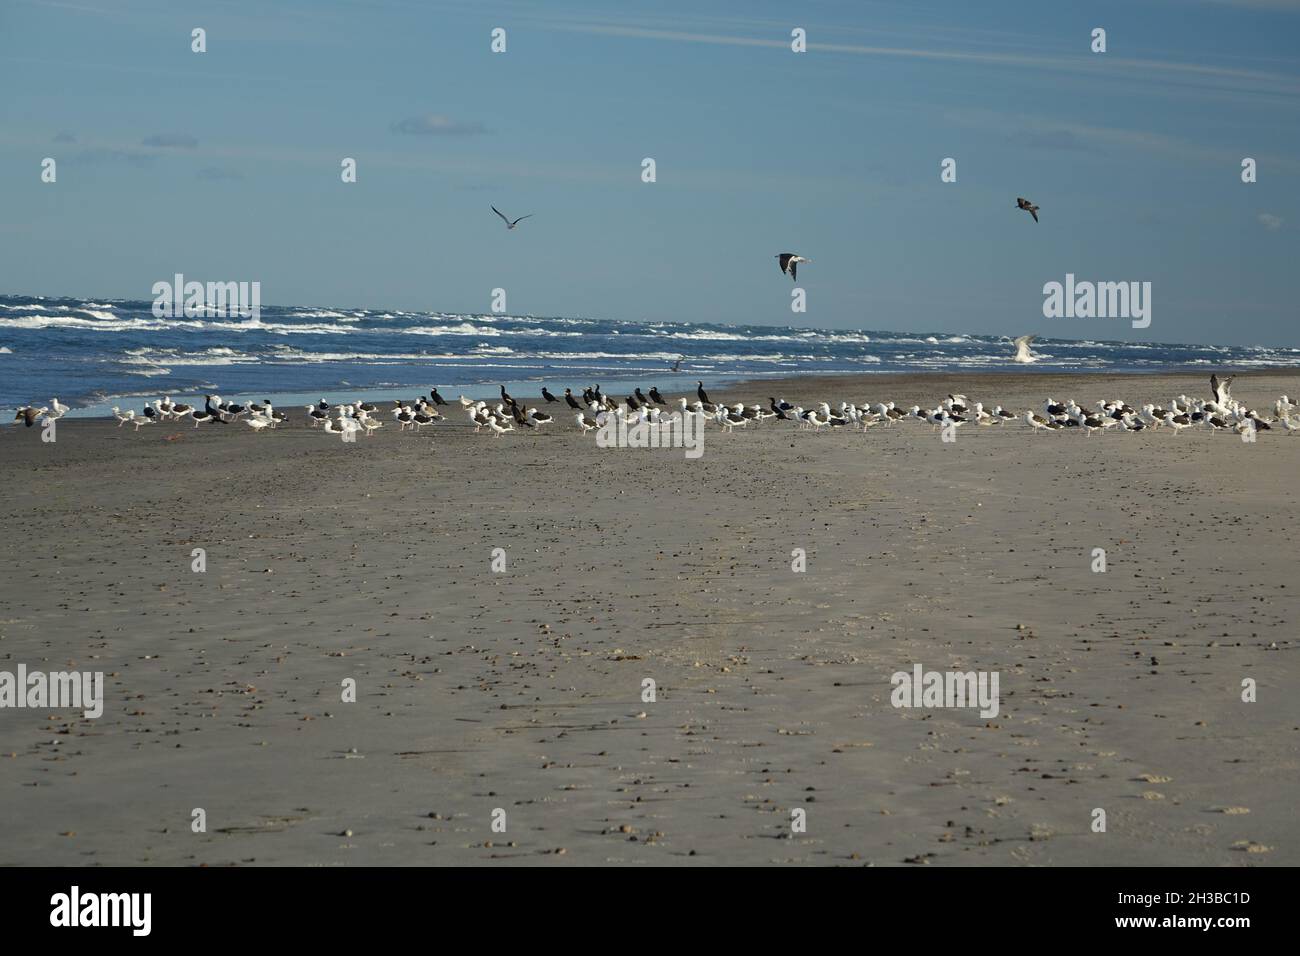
(1220, 389)
(789, 263)
(509, 224)
(1023, 354)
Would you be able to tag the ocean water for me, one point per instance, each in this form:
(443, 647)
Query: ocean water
(92, 353)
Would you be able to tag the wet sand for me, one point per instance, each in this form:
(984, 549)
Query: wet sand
(522, 690)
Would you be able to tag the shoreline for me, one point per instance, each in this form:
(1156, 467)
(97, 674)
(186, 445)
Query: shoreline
(741, 382)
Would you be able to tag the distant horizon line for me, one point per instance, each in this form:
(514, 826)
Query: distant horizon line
(148, 303)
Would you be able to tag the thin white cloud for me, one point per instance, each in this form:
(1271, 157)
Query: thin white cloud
(98, 155)
(171, 141)
(477, 167)
(1270, 222)
(1288, 6)
(1090, 65)
(433, 124)
(219, 174)
(1044, 132)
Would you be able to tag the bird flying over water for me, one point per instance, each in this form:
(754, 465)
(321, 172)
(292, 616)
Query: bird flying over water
(790, 262)
(509, 224)
(1027, 206)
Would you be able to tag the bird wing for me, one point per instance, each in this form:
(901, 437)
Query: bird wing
(794, 271)
(501, 214)
(521, 219)
(1033, 211)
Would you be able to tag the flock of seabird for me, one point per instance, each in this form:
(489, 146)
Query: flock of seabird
(1220, 413)
(255, 416)
(592, 408)
(788, 261)
(507, 414)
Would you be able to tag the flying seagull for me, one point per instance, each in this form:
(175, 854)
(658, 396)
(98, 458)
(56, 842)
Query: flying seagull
(1023, 355)
(1027, 206)
(509, 224)
(790, 262)
(1220, 389)
(29, 415)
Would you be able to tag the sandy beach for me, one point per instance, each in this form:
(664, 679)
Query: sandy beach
(522, 690)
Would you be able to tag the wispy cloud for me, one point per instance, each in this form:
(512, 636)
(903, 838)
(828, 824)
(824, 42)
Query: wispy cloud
(104, 154)
(218, 174)
(1201, 74)
(1270, 222)
(1044, 132)
(1290, 6)
(1066, 140)
(171, 141)
(434, 124)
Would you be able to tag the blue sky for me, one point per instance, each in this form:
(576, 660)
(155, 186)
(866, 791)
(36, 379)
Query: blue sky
(225, 165)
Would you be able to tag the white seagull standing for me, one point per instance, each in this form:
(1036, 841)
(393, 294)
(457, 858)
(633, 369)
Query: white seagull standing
(790, 262)
(509, 224)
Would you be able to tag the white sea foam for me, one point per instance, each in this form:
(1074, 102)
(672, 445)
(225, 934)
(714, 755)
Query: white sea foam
(75, 322)
(158, 357)
(469, 328)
